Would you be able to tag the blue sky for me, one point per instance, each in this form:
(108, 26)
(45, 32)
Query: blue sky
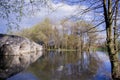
(69, 2)
(60, 9)
(3, 26)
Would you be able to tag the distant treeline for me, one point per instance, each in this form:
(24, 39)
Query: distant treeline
(80, 35)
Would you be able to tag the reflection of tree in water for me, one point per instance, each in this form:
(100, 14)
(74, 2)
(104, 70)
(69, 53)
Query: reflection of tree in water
(66, 66)
(85, 68)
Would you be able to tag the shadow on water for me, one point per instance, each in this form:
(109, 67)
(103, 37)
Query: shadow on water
(68, 66)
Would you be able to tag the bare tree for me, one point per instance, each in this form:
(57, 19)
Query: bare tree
(110, 11)
(112, 40)
(12, 11)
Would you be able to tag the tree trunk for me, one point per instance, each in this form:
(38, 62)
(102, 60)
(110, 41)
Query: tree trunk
(111, 41)
(81, 42)
(116, 57)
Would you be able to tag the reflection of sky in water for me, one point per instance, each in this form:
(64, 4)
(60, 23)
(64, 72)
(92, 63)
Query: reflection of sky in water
(103, 72)
(24, 76)
(105, 69)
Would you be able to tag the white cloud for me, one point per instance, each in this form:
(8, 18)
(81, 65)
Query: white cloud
(56, 12)
(64, 7)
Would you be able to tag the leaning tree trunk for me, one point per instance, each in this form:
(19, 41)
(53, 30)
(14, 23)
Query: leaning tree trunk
(111, 41)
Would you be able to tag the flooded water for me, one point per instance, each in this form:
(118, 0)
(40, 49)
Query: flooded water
(68, 66)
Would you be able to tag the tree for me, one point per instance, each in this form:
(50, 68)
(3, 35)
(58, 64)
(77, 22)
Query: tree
(40, 32)
(12, 11)
(57, 38)
(110, 9)
(111, 39)
(87, 38)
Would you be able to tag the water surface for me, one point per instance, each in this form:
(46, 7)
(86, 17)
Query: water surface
(68, 65)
